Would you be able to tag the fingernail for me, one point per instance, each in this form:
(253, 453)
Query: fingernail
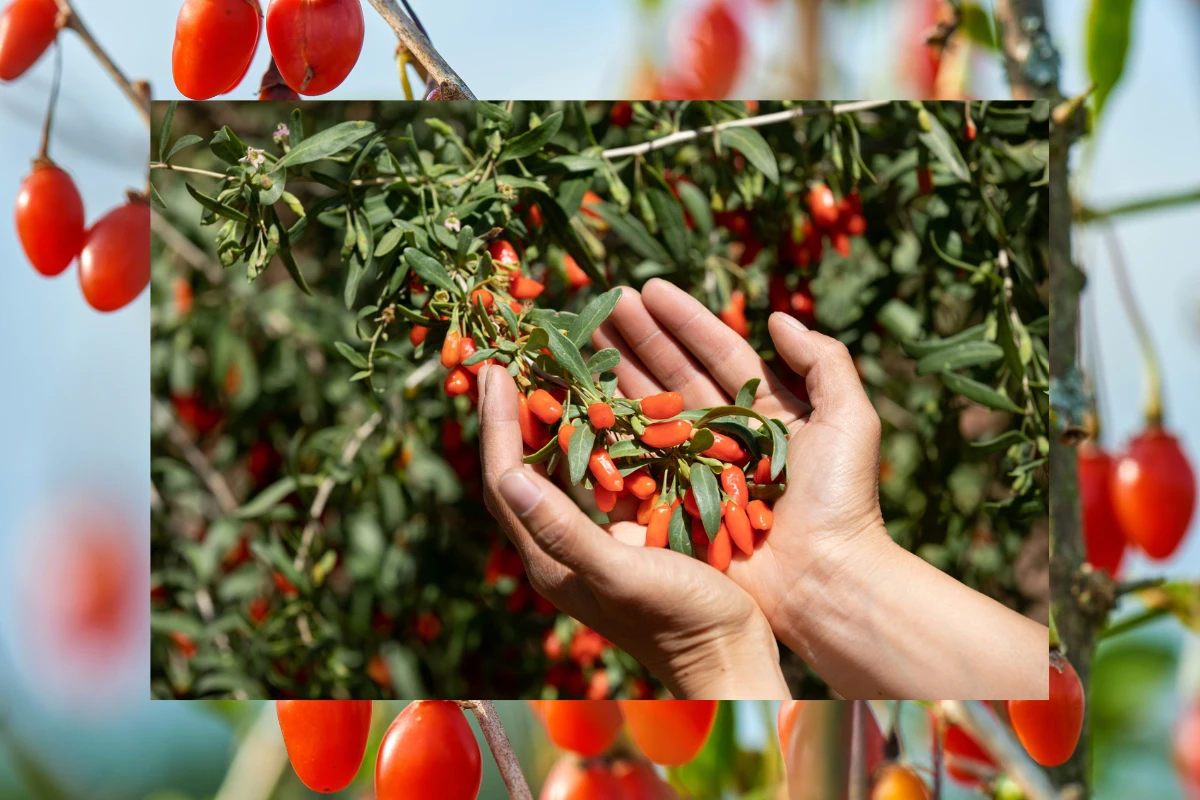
(790, 320)
(520, 492)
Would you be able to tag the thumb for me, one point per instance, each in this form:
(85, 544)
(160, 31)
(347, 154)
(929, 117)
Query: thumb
(830, 377)
(561, 530)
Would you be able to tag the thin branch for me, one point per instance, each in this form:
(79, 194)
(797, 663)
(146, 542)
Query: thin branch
(191, 453)
(501, 747)
(858, 750)
(258, 763)
(326, 488)
(1129, 587)
(1186, 197)
(748, 122)
(139, 93)
(417, 43)
(190, 170)
(44, 150)
(986, 729)
(1132, 622)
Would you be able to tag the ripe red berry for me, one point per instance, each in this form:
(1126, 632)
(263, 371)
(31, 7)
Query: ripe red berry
(600, 414)
(215, 41)
(760, 514)
(711, 56)
(1049, 729)
(325, 739)
(482, 296)
(669, 732)
(571, 779)
(762, 471)
(960, 747)
(315, 42)
(662, 406)
(739, 527)
(576, 277)
(114, 264)
(50, 221)
(639, 781)
(605, 472)
(586, 727)
(523, 288)
(667, 434)
(533, 432)
(565, 431)
(733, 481)
(725, 448)
(185, 644)
(543, 406)
(720, 549)
(450, 349)
(1101, 530)
(606, 500)
(429, 751)
(417, 334)
(641, 485)
(504, 253)
(734, 314)
(621, 113)
(458, 381)
(27, 27)
(822, 207)
(658, 526)
(1154, 492)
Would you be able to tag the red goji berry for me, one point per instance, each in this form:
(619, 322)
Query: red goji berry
(720, 549)
(525, 288)
(641, 485)
(605, 472)
(606, 500)
(658, 525)
(505, 254)
(662, 406)
(760, 514)
(689, 503)
(762, 471)
(733, 480)
(450, 349)
(545, 407)
(739, 527)
(601, 415)
(699, 539)
(924, 180)
(576, 277)
(482, 296)
(725, 448)
(822, 206)
(533, 432)
(565, 432)
(417, 334)
(645, 507)
(662, 435)
(458, 381)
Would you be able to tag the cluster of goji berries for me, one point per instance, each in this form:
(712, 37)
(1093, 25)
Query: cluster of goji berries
(114, 252)
(314, 45)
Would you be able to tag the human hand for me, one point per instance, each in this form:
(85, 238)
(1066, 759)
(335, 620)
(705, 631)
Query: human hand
(699, 633)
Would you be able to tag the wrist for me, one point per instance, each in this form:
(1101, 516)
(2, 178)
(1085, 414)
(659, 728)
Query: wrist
(728, 665)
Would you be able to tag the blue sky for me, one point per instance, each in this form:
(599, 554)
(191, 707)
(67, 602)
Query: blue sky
(74, 404)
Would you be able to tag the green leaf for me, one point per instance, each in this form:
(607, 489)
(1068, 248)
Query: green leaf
(604, 360)
(745, 395)
(632, 232)
(979, 393)
(579, 450)
(1001, 442)
(429, 269)
(327, 143)
(164, 130)
(670, 223)
(216, 207)
(531, 140)
(708, 498)
(679, 537)
(919, 349)
(957, 356)
(226, 146)
(590, 318)
(289, 258)
(701, 441)
(567, 355)
(978, 25)
(561, 230)
(942, 145)
(268, 498)
(355, 358)
(745, 437)
(183, 143)
(697, 205)
(1108, 34)
(754, 147)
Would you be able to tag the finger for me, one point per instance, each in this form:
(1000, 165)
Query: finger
(832, 381)
(563, 532)
(729, 358)
(632, 376)
(501, 451)
(671, 364)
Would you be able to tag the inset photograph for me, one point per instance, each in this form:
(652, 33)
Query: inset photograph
(561, 400)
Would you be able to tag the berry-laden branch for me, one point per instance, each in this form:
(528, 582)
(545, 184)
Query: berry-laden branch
(501, 747)
(138, 93)
(447, 84)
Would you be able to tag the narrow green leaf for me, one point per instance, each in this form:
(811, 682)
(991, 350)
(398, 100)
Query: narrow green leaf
(745, 395)
(590, 318)
(979, 392)
(679, 537)
(567, 354)
(957, 356)
(754, 147)
(1001, 442)
(942, 145)
(215, 206)
(565, 235)
(226, 146)
(429, 269)
(919, 349)
(1108, 33)
(267, 499)
(164, 130)
(327, 143)
(697, 205)
(355, 358)
(632, 232)
(701, 441)
(670, 223)
(531, 141)
(183, 143)
(708, 498)
(579, 450)
(604, 360)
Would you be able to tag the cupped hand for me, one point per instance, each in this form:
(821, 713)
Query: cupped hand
(699, 633)
(829, 517)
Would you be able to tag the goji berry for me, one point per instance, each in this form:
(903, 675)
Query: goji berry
(114, 264)
(466, 348)
(525, 288)
(606, 500)
(1049, 729)
(621, 113)
(605, 472)
(662, 406)
(458, 381)
(533, 432)
(417, 334)
(27, 28)
(734, 314)
(669, 732)
(315, 44)
(576, 277)
(429, 751)
(543, 406)
(641, 485)
(822, 206)
(450, 349)
(325, 740)
(600, 414)
(658, 525)
(733, 480)
(571, 779)
(760, 514)
(565, 431)
(50, 219)
(924, 180)
(484, 297)
(762, 470)
(662, 435)
(739, 527)
(505, 254)
(1154, 492)
(841, 243)
(185, 644)
(689, 503)
(898, 782)
(725, 448)
(720, 549)
(215, 41)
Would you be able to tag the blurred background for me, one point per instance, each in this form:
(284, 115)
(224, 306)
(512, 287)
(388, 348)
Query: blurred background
(75, 410)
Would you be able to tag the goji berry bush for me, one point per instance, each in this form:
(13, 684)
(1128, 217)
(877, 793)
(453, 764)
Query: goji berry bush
(320, 530)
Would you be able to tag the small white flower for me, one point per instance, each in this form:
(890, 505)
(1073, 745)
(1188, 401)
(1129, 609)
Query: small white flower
(254, 157)
(452, 223)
